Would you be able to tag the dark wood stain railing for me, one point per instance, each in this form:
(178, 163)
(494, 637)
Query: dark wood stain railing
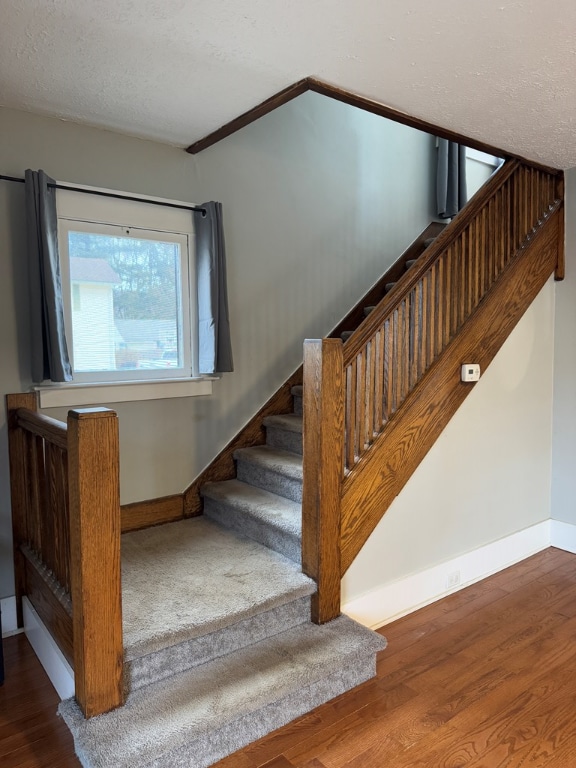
(426, 309)
(412, 330)
(66, 523)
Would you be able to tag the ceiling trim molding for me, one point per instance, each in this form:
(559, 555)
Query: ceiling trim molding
(353, 100)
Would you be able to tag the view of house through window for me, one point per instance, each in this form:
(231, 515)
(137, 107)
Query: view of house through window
(126, 299)
(126, 312)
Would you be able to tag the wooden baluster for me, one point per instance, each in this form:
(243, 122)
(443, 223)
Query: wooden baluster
(430, 316)
(439, 305)
(483, 277)
(394, 361)
(350, 416)
(493, 224)
(446, 295)
(93, 464)
(323, 461)
(465, 261)
(524, 202)
(456, 251)
(360, 403)
(371, 377)
(514, 226)
(48, 512)
(405, 349)
(388, 393)
(467, 274)
(506, 222)
(58, 504)
(413, 322)
(477, 273)
(35, 464)
(19, 487)
(377, 418)
(426, 330)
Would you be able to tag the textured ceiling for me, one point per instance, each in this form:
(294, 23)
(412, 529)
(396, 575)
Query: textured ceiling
(175, 70)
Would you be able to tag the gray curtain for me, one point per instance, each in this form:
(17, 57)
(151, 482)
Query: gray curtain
(50, 359)
(214, 348)
(451, 178)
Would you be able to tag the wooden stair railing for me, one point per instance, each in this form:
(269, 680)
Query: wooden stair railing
(393, 386)
(66, 523)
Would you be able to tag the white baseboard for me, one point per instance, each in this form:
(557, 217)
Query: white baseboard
(563, 536)
(9, 621)
(396, 599)
(51, 657)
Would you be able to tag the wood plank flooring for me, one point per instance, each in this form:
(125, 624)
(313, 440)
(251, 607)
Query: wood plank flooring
(485, 678)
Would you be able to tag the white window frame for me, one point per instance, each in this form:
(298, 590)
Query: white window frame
(100, 211)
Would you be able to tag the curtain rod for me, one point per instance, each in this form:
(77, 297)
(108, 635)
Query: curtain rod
(112, 194)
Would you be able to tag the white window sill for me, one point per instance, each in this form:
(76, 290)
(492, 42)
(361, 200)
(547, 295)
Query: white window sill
(76, 395)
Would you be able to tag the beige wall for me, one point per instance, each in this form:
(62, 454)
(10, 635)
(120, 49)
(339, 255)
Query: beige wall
(315, 208)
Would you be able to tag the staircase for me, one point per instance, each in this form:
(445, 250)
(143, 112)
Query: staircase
(219, 648)
(216, 646)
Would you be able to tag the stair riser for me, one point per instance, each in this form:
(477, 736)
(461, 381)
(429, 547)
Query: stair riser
(298, 410)
(242, 522)
(269, 480)
(284, 439)
(204, 752)
(178, 658)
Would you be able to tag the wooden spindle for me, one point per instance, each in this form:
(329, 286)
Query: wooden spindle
(350, 416)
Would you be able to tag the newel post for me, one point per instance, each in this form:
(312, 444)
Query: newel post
(19, 490)
(323, 408)
(94, 489)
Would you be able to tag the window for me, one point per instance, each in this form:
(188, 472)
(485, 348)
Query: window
(129, 307)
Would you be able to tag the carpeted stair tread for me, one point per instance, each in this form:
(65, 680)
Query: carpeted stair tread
(212, 710)
(193, 577)
(286, 462)
(266, 517)
(297, 390)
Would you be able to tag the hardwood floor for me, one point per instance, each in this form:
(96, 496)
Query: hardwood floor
(486, 678)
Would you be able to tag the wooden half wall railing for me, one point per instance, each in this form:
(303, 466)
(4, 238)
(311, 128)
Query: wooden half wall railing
(64, 482)
(360, 443)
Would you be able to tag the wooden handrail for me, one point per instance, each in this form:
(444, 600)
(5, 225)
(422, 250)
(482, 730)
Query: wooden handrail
(49, 429)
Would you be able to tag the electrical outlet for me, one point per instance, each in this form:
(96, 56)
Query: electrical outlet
(453, 579)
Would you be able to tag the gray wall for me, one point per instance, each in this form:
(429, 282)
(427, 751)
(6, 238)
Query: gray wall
(564, 445)
(316, 205)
